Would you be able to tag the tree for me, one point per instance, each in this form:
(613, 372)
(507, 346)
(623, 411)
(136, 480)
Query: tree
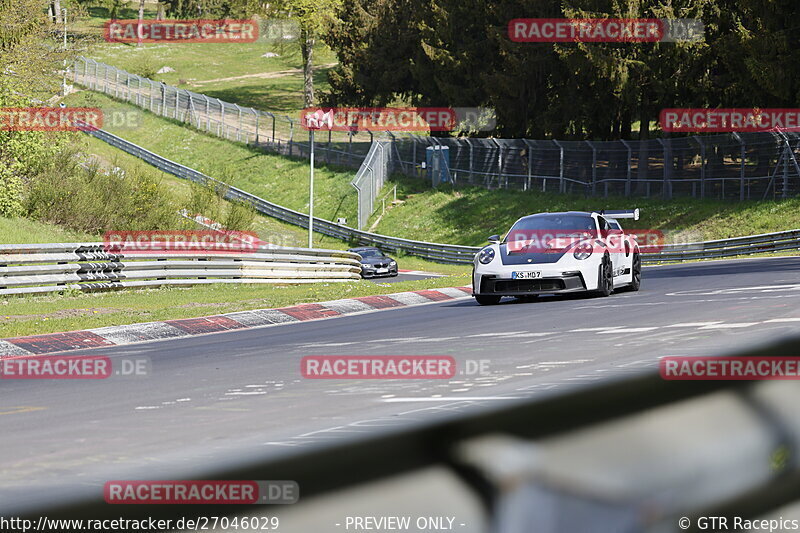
(313, 17)
(29, 60)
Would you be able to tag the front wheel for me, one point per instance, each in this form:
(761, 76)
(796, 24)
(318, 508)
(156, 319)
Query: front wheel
(487, 299)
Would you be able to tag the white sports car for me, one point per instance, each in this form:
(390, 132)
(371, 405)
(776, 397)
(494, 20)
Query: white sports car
(555, 253)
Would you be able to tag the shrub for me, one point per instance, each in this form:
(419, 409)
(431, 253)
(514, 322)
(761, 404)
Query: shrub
(92, 201)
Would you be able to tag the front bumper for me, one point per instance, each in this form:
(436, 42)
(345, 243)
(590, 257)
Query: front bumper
(493, 284)
(373, 272)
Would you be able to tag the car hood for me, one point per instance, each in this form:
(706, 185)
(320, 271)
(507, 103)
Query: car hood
(374, 260)
(528, 256)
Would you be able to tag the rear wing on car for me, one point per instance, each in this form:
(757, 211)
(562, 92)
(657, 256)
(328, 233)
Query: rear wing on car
(621, 213)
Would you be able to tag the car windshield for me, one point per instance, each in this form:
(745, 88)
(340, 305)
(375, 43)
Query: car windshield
(371, 252)
(555, 224)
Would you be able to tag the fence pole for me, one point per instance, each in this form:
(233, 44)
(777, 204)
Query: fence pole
(393, 148)
(702, 166)
(667, 187)
(349, 146)
(208, 112)
(530, 164)
(273, 127)
(785, 192)
(414, 155)
(239, 128)
(560, 167)
(116, 83)
(594, 167)
(291, 134)
(258, 119)
(152, 98)
(741, 168)
(629, 164)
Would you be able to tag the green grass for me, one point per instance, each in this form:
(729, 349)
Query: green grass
(26, 231)
(266, 83)
(52, 313)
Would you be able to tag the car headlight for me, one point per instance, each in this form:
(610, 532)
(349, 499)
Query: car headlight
(392, 263)
(582, 251)
(486, 255)
(364, 265)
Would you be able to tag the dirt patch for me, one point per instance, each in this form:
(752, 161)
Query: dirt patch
(261, 75)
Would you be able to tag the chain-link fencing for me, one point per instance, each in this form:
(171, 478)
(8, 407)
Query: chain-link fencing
(745, 166)
(273, 132)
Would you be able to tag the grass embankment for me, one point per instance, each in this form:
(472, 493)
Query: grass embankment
(275, 178)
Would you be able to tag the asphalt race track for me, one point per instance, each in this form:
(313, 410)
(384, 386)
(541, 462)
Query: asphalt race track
(242, 390)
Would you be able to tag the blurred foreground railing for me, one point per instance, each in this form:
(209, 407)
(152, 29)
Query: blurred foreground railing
(628, 454)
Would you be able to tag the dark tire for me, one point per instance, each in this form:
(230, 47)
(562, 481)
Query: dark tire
(605, 282)
(487, 299)
(636, 273)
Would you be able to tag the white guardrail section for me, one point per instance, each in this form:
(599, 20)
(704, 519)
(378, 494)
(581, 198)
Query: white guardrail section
(450, 253)
(43, 268)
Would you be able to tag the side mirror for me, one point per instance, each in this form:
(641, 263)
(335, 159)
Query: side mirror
(494, 239)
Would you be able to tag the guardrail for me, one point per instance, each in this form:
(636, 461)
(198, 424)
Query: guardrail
(448, 253)
(43, 268)
(636, 454)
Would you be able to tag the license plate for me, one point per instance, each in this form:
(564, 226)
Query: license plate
(382, 270)
(525, 275)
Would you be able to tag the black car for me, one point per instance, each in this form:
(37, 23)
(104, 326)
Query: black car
(375, 263)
